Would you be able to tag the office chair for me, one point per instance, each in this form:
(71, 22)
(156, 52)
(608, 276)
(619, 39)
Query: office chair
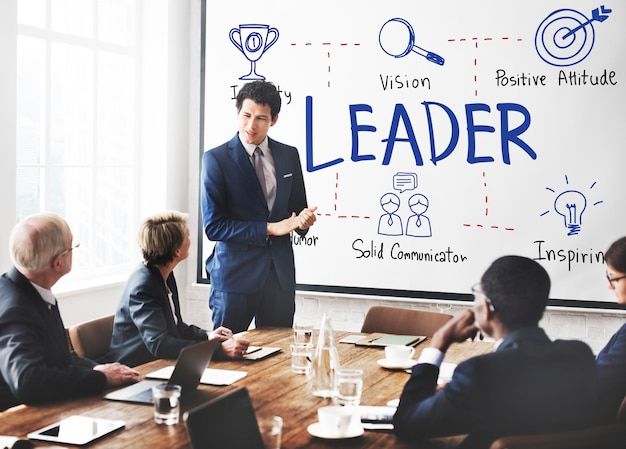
(607, 436)
(91, 339)
(398, 321)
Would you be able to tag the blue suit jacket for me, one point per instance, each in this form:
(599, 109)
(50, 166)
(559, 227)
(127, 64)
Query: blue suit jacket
(36, 364)
(611, 363)
(529, 385)
(144, 328)
(235, 215)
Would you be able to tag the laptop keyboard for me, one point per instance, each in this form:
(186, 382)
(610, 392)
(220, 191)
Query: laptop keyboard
(143, 396)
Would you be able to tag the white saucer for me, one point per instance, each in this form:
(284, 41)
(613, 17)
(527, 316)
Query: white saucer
(316, 430)
(392, 365)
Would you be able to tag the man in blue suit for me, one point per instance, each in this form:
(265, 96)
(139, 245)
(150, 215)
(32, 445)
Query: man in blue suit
(253, 197)
(530, 384)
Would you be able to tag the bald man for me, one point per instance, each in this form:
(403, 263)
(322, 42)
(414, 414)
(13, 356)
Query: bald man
(36, 364)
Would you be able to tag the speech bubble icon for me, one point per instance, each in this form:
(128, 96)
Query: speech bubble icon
(404, 181)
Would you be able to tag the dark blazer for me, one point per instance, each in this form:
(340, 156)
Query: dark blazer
(529, 384)
(36, 364)
(611, 364)
(144, 327)
(235, 215)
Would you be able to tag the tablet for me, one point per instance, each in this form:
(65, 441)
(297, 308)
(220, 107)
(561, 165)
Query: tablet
(78, 430)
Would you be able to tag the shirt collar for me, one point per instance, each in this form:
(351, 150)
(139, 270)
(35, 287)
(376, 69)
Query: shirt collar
(45, 294)
(250, 147)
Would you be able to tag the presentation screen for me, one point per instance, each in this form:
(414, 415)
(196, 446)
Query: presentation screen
(435, 137)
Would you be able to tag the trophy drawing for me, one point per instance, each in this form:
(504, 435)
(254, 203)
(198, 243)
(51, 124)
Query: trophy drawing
(253, 40)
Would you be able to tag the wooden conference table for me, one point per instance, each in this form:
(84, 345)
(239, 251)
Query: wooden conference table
(274, 390)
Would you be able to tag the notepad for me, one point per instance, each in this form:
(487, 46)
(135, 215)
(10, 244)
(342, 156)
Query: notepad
(382, 340)
(211, 376)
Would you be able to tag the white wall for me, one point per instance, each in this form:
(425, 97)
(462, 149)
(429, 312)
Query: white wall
(8, 52)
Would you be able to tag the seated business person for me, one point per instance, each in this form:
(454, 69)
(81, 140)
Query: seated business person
(611, 361)
(148, 323)
(530, 384)
(36, 364)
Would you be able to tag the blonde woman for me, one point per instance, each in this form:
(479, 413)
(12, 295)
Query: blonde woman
(148, 323)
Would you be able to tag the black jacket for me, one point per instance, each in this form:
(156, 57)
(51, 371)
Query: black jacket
(36, 364)
(528, 385)
(144, 328)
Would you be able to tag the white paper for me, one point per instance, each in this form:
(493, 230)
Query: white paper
(211, 376)
(264, 352)
(351, 338)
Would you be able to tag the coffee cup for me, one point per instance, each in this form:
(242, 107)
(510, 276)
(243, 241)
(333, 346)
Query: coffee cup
(335, 419)
(398, 354)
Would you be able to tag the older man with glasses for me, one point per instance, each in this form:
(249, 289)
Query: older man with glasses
(529, 384)
(36, 364)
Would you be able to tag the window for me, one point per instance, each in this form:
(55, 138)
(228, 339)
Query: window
(78, 111)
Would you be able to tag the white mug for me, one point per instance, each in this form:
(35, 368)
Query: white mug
(399, 354)
(335, 419)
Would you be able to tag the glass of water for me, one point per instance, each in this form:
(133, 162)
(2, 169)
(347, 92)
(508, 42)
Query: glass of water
(166, 399)
(303, 333)
(301, 354)
(349, 386)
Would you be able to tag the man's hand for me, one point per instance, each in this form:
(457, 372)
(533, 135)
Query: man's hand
(235, 347)
(118, 374)
(458, 329)
(221, 333)
(283, 227)
(306, 218)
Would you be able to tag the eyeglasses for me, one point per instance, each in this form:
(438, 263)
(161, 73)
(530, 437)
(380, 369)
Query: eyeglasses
(613, 280)
(71, 248)
(478, 291)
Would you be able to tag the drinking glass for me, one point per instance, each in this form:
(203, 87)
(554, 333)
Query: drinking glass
(349, 386)
(166, 399)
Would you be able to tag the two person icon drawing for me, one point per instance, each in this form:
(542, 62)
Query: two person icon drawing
(390, 223)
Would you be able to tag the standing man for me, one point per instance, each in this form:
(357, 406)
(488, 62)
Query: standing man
(530, 384)
(36, 364)
(253, 197)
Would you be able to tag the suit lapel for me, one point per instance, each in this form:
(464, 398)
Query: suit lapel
(249, 181)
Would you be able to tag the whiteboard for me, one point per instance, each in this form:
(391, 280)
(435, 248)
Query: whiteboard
(437, 136)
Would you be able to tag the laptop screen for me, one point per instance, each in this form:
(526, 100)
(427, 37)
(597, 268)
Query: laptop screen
(212, 424)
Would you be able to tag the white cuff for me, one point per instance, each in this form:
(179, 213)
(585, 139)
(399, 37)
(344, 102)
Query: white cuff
(432, 356)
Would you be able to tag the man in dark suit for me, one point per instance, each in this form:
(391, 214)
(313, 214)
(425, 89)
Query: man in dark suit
(36, 364)
(253, 197)
(530, 384)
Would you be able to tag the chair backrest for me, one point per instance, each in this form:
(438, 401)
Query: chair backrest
(212, 424)
(91, 339)
(611, 436)
(395, 320)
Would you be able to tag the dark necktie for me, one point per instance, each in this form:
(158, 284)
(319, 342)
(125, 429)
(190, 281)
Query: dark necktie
(257, 160)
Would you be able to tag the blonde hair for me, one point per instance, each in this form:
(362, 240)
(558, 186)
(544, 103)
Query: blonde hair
(37, 240)
(160, 235)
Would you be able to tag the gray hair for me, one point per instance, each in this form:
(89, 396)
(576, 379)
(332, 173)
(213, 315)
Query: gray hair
(37, 240)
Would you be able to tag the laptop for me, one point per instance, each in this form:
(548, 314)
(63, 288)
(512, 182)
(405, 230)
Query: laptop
(188, 370)
(211, 424)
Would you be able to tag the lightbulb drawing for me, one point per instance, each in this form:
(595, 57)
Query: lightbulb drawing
(570, 205)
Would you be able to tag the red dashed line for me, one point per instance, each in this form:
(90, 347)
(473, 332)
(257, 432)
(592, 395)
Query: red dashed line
(467, 225)
(465, 39)
(336, 194)
(486, 197)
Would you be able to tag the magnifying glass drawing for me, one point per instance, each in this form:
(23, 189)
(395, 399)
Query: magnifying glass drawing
(397, 39)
